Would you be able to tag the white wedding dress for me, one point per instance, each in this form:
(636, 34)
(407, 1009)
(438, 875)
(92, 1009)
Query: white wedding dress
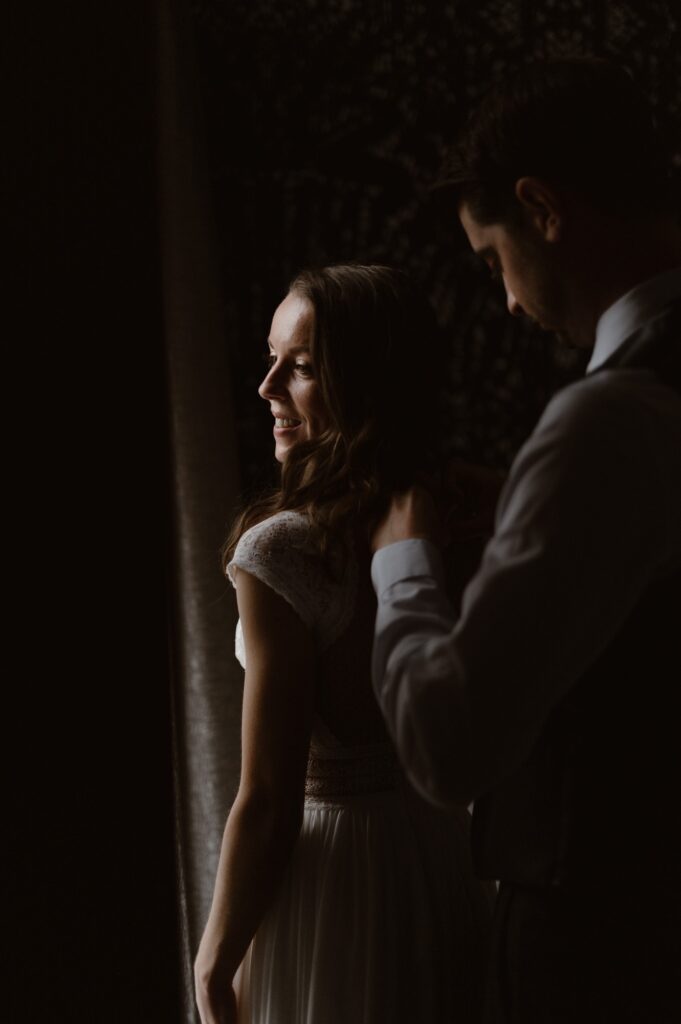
(379, 919)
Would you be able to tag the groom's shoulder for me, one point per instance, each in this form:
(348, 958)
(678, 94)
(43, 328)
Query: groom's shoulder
(610, 411)
(579, 407)
(621, 395)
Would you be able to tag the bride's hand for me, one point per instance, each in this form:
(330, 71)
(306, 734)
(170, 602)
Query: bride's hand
(215, 996)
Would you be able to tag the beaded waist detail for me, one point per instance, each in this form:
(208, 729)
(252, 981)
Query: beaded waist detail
(358, 773)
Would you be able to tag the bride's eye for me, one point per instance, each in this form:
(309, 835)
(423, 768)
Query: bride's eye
(269, 359)
(304, 369)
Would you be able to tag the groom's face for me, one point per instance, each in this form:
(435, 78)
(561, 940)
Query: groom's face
(519, 258)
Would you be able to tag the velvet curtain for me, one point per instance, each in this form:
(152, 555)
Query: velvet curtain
(207, 680)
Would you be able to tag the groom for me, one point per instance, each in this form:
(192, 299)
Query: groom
(554, 701)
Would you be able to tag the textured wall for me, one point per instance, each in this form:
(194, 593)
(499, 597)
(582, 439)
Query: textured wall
(326, 122)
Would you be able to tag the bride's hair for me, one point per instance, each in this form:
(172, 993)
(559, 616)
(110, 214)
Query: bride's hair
(377, 356)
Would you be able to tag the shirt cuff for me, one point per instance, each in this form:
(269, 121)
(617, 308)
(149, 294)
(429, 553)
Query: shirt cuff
(406, 559)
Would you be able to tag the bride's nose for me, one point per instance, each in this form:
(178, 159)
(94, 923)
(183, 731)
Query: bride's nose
(272, 386)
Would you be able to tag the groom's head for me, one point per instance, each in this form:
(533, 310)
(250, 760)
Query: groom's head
(553, 165)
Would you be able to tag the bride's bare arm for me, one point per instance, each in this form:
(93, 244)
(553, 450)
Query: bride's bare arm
(266, 816)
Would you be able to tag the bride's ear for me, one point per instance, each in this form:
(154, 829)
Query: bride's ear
(542, 206)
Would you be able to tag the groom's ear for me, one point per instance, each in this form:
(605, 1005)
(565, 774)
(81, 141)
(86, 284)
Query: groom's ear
(542, 207)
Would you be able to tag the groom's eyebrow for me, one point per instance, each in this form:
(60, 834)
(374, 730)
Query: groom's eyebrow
(490, 258)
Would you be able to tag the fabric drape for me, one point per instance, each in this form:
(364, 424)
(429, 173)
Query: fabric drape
(207, 682)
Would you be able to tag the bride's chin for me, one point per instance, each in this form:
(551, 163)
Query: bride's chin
(282, 452)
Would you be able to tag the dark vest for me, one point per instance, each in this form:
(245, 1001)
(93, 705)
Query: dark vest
(599, 797)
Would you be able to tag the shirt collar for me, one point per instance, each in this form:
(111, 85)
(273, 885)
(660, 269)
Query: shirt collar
(631, 311)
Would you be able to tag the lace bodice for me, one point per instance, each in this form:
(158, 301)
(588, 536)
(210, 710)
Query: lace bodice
(349, 751)
(278, 552)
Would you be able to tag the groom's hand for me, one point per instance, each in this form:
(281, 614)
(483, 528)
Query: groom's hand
(468, 499)
(412, 515)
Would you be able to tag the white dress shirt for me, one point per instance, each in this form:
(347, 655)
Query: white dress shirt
(589, 516)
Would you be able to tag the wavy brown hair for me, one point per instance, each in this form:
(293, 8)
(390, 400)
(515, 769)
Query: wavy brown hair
(377, 355)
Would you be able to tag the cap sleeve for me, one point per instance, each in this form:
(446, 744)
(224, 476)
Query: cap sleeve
(276, 551)
(279, 553)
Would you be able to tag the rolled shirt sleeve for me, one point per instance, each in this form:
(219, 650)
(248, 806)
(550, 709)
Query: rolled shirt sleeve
(415, 668)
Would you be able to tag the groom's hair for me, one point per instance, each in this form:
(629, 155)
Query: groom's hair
(579, 124)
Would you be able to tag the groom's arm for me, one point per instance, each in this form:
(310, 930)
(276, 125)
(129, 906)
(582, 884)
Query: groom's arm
(421, 673)
(578, 537)
(425, 710)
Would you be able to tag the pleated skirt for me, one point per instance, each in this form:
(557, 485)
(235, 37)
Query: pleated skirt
(379, 920)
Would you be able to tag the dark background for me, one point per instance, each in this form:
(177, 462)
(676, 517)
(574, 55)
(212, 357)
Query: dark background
(324, 125)
(89, 894)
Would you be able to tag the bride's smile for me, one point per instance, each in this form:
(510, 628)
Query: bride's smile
(290, 386)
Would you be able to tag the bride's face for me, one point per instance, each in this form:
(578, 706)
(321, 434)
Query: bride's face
(290, 385)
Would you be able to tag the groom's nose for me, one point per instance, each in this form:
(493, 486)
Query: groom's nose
(514, 307)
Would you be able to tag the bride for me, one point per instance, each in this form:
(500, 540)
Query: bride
(340, 897)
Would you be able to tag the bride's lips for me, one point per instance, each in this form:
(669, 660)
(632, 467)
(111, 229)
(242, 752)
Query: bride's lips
(284, 425)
